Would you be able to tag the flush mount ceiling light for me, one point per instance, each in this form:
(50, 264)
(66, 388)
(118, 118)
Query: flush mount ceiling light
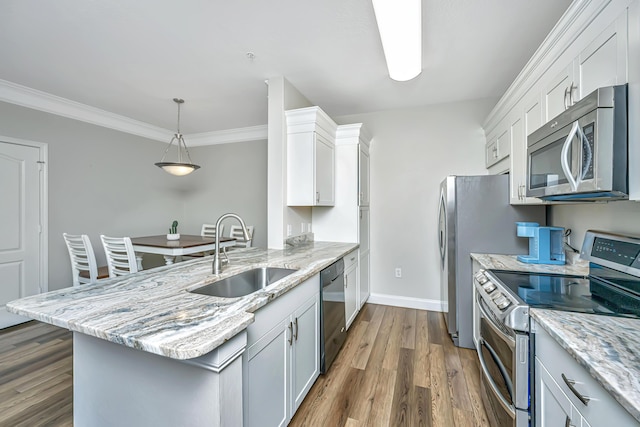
(178, 168)
(400, 27)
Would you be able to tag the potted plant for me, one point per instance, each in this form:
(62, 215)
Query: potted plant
(173, 231)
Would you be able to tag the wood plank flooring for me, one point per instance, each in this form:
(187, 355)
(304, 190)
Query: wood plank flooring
(36, 376)
(398, 367)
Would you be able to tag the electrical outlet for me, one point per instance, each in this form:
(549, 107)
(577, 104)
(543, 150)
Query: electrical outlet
(288, 230)
(398, 272)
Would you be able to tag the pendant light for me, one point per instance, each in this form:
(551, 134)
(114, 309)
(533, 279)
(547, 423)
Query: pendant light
(178, 168)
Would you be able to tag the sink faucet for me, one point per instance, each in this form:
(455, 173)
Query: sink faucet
(217, 264)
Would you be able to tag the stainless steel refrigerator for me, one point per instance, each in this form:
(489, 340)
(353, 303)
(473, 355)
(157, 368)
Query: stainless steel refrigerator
(475, 216)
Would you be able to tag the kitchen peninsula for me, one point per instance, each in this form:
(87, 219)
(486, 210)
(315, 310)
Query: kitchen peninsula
(147, 351)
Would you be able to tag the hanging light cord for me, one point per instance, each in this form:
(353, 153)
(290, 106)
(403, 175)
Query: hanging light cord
(179, 137)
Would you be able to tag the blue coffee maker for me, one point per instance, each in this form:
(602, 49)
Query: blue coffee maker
(546, 244)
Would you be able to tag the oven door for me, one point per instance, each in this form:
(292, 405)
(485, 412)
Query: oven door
(504, 385)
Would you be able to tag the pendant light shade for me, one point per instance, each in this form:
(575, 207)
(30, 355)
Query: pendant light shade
(181, 167)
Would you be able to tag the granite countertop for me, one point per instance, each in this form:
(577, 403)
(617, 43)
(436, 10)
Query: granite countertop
(510, 262)
(607, 347)
(154, 312)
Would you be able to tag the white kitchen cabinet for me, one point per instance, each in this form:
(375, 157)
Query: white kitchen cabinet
(365, 257)
(553, 407)
(363, 172)
(596, 43)
(603, 62)
(305, 350)
(310, 158)
(498, 148)
(351, 288)
(557, 373)
(282, 360)
(348, 220)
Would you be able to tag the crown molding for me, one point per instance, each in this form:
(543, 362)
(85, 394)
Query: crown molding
(251, 133)
(32, 98)
(579, 15)
(24, 96)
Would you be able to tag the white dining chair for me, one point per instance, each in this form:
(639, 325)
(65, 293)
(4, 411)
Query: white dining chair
(121, 258)
(236, 233)
(208, 230)
(84, 268)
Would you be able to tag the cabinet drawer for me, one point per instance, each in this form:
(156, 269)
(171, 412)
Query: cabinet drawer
(602, 408)
(350, 260)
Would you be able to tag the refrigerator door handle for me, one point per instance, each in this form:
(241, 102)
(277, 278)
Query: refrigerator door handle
(442, 227)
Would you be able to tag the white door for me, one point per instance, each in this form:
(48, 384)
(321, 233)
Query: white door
(19, 227)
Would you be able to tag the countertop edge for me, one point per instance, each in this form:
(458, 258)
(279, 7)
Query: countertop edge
(220, 330)
(621, 396)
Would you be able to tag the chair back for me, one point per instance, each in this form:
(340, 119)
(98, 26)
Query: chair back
(121, 258)
(209, 230)
(82, 258)
(236, 233)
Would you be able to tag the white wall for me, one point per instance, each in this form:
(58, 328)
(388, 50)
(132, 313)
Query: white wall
(103, 181)
(232, 178)
(411, 152)
(282, 97)
(619, 217)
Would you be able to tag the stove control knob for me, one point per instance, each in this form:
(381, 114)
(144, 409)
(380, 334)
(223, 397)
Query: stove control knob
(481, 278)
(497, 297)
(489, 287)
(503, 304)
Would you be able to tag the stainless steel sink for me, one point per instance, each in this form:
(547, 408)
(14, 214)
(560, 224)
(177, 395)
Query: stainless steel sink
(244, 283)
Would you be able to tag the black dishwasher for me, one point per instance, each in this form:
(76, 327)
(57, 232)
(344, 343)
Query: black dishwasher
(333, 331)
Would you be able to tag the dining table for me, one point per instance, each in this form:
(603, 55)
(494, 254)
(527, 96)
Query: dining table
(187, 244)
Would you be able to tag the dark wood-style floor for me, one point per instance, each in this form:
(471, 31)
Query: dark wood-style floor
(398, 367)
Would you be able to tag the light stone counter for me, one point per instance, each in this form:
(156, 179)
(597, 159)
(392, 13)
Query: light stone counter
(607, 347)
(153, 310)
(510, 262)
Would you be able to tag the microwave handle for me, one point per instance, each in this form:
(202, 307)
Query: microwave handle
(566, 152)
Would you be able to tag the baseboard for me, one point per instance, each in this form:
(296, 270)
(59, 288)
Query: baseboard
(408, 302)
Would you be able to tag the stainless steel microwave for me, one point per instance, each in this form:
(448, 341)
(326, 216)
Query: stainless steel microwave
(582, 155)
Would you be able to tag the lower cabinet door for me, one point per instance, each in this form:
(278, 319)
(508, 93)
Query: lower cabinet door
(552, 406)
(351, 295)
(306, 351)
(267, 386)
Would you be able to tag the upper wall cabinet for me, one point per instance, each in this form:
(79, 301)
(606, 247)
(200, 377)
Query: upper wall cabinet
(603, 62)
(594, 44)
(310, 157)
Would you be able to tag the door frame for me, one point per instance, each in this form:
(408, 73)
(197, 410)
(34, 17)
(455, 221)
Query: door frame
(43, 158)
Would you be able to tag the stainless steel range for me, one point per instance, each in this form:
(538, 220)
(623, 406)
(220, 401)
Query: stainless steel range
(503, 301)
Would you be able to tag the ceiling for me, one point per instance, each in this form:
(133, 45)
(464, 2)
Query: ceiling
(132, 57)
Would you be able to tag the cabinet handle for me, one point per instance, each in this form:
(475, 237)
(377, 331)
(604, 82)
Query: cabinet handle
(571, 384)
(296, 334)
(353, 258)
(346, 282)
(554, 124)
(567, 422)
(317, 197)
(519, 192)
(290, 333)
(572, 88)
(566, 97)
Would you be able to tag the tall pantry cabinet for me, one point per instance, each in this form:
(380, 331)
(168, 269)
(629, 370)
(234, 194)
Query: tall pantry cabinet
(348, 219)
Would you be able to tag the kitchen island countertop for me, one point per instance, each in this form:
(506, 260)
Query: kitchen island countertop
(607, 347)
(154, 312)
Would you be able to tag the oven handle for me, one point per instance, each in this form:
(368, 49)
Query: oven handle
(483, 364)
(509, 340)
